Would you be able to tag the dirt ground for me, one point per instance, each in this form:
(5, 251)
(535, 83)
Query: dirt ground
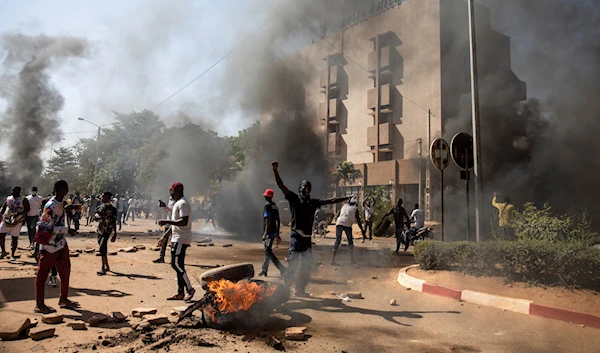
(418, 323)
(585, 301)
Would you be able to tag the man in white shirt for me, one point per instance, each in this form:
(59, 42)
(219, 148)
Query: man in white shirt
(181, 229)
(35, 208)
(418, 216)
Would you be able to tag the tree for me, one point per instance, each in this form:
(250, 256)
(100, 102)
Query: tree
(346, 173)
(244, 145)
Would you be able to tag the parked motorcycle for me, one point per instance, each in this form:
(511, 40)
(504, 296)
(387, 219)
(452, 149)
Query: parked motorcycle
(416, 235)
(320, 228)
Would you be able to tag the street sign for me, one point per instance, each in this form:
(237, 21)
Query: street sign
(462, 150)
(440, 153)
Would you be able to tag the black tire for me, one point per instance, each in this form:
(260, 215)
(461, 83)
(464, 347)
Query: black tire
(232, 273)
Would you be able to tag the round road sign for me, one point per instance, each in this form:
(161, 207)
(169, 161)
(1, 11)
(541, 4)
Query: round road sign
(440, 153)
(462, 150)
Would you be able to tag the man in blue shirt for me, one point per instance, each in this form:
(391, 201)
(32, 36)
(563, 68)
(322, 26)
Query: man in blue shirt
(270, 235)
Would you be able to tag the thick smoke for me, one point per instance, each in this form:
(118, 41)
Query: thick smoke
(272, 86)
(534, 150)
(31, 117)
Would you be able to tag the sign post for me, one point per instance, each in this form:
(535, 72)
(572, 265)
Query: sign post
(440, 157)
(462, 155)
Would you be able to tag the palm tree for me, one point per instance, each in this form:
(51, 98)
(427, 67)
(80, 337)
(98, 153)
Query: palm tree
(346, 173)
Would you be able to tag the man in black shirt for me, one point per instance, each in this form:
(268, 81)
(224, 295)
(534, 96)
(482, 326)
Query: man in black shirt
(106, 215)
(302, 208)
(401, 218)
(270, 235)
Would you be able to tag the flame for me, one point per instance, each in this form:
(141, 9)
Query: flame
(238, 296)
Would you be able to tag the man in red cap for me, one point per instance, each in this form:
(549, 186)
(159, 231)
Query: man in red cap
(181, 229)
(271, 226)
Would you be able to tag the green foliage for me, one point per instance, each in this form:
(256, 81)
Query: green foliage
(568, 264)
(381, 196)
(541, 224)
(244, 145)
(346, 173)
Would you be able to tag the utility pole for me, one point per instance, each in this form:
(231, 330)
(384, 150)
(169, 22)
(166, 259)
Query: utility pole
(475, 118)
(420, 140)
(428, 171)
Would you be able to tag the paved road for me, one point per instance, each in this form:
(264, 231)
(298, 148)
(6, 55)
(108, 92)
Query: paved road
(419, 323)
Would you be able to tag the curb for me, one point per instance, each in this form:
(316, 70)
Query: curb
(518, 305)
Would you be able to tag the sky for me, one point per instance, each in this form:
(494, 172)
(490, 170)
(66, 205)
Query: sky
(141, 52)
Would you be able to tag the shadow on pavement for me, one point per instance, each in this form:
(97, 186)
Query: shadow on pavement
(132, 275)
(337, 306)
(102, 293)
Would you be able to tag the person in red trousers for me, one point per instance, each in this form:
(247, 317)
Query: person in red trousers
(53, 248)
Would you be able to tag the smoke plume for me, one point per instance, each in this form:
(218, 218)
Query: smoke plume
(31, 118)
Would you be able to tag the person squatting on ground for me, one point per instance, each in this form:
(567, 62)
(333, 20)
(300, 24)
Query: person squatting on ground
(106, 215)
(368, 205)
(163, 247)
(51, 236)
(271, 225)
(35, 208)
(302, 208)
(181, 237)
(401, 219)
(348, 215)
(13, 213)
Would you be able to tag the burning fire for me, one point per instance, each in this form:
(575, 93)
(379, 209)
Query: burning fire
(233, 297)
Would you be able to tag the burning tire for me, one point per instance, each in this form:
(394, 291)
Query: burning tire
(232, 273)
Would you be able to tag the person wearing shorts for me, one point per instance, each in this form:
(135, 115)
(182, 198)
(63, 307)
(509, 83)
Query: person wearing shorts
(106, 215)
(13, 212)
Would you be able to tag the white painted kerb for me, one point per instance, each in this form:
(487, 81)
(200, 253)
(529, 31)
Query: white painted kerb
(409, 281)
(511, 304)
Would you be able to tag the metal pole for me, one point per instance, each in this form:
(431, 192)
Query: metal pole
(475, 118)
(468, 204)
(442, 195)
(428, 170)
(97, 161)
(420, 171)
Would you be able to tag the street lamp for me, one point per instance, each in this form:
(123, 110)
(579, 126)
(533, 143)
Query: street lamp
(97, 150)
(52, 145)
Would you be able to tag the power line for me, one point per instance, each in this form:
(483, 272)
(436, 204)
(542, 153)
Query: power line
(339, 51)
(215, 64)
(79, 132)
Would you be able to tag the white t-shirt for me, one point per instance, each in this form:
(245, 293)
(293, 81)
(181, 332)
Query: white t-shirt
(35, 204)
(419, 216)
(182, 234)
(347, 215)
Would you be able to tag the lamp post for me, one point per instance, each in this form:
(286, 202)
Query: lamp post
(97, 150)
(52, 145)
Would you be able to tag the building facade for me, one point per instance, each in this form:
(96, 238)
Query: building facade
(395, 78)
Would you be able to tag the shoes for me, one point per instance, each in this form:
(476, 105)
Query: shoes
(12, 258)
(263, 273)
(179, 296)
(52, 281)
(3, 254)
(333, 263)
(301, 294)
(189, 296)
(160, 260)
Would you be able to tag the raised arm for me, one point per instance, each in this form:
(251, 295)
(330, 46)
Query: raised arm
(282, 187)
(335, 200)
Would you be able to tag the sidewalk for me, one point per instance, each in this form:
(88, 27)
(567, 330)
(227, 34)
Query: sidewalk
(524, 306)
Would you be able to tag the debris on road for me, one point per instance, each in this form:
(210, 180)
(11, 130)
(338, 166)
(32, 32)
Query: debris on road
(393, 302)
(97, 319)
(77, 325)
(118, 316)
(139, 312)
(156, 319)
(52, 319)
(205, 240)
(11, 329)
(89, 251)
(227, 245)
(41, 333)
(353, 295)
(295, 333)
(275, 343)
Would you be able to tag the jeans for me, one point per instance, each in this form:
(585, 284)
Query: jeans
(401, 239)
(119, 218)
(338, 237)
(299, 252)
(178, 264)
(270, 256)
(369, 228)
(76, 219)
(31, 227)
(130, 212)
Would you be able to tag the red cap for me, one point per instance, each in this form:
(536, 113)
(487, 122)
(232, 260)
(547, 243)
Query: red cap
(176, 184)
(269, 193)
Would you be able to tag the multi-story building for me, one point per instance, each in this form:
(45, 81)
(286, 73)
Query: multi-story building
(397, 76)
